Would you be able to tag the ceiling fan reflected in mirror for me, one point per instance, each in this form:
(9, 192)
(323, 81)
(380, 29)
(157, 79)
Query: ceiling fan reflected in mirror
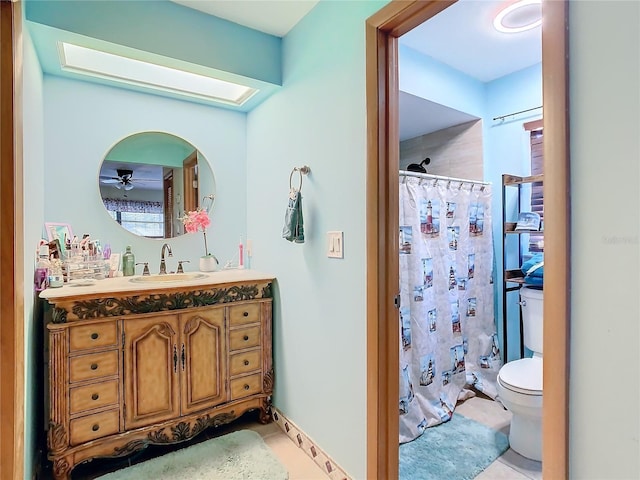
(125, 180)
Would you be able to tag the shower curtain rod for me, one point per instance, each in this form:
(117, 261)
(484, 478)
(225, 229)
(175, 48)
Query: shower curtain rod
(502, 117)
(439, 177)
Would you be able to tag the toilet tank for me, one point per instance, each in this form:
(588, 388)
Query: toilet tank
(531, 304)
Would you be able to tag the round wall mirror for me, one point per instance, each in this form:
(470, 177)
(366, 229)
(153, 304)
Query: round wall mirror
(148, 180)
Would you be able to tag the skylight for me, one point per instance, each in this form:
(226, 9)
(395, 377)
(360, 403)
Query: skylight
(87, 61)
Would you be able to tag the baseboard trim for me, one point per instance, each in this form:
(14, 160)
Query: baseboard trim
(301, 440)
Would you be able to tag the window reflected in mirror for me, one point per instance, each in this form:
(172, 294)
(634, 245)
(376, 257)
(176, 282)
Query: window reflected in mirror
(148, 180)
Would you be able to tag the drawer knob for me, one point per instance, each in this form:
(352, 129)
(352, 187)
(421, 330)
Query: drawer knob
(246, 337)
(246, 362)
(245, 314)
(94, 366)
(246, 387)
(94, 336)
(95, 428)
(95, 396)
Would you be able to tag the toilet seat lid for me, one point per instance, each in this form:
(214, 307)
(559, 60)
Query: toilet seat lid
(523, 376)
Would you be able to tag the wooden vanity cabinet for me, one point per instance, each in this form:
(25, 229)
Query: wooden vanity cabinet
(128, 370)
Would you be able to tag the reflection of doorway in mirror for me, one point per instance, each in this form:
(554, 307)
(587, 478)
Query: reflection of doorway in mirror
(190, 172)
(168, 205)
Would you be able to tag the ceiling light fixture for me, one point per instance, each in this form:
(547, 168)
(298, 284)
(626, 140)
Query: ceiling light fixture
(519, 17)
(87, 61)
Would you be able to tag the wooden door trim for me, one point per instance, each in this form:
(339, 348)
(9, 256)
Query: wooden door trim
(190, 194)
(11, 247)
(382, 30)
(557, 248)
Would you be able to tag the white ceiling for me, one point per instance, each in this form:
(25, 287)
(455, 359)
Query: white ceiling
(275, 17)
(462, 36)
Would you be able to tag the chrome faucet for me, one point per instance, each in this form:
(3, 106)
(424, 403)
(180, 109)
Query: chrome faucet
(163, 265)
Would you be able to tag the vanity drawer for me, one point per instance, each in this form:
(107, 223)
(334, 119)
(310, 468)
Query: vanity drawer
(93, 396)
(245, 362)
(95, 426)
(94, 365)
(85, 337)
(244, 337)
(247, 313)
(245, 386)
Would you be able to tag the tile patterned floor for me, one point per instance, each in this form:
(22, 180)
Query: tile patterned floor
(510, 466)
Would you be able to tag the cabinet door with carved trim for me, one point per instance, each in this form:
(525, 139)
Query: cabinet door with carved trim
(202, 359)
(151, 370)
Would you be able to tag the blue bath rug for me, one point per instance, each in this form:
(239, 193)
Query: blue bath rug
(456, 450)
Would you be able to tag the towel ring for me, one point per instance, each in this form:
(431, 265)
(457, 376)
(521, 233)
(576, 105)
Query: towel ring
(208, 200)
(302, 171)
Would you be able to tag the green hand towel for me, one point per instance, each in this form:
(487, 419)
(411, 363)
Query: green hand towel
(293, 223)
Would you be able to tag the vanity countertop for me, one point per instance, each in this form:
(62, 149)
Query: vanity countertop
(126, 285)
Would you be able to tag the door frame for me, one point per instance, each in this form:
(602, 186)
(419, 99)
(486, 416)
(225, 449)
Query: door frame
(12, 362)
(382, 91)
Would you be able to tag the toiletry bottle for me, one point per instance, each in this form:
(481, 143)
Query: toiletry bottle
(41, 278)
(240, 254)
(106, 251)
(128, 263)
(56, 277)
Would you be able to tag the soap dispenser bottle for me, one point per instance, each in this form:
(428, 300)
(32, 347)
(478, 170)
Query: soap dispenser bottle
(128, 263)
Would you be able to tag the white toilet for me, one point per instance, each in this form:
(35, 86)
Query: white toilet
(520, 382)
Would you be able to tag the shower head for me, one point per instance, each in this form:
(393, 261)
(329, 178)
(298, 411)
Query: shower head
(417, 167)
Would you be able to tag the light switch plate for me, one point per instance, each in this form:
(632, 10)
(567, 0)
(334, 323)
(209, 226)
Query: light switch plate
(335, 244)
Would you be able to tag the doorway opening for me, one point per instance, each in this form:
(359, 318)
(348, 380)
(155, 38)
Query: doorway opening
(383, 30)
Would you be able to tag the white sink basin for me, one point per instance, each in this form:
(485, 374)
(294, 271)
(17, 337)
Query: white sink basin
(169, 278)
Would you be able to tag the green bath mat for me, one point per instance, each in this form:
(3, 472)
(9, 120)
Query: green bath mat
(240, 455)
(456, 450)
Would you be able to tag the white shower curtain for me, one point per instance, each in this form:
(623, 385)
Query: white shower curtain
(447, 327)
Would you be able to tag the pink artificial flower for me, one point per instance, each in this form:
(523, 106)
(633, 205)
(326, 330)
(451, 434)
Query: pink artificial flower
(197, 221)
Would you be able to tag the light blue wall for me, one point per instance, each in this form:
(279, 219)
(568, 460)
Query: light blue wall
(422, 76)
(82, 123)
(507, 150)
(604, 387)
(318, 119)
(33, 186)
